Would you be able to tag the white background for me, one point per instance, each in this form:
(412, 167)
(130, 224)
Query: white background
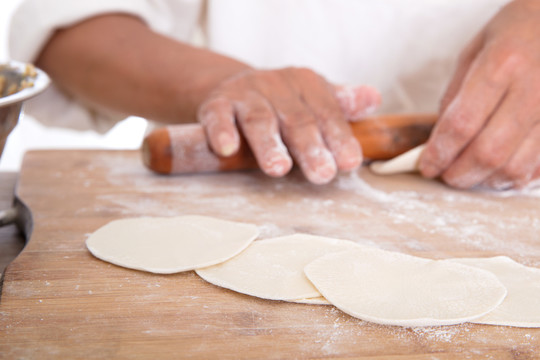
(29, 134)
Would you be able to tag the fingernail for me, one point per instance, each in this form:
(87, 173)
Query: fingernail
(324, 174)
(350, 156)
(325, 169)
(370, 110)
(278, 164)
(364, 101)
(227, 144)
(372, 98)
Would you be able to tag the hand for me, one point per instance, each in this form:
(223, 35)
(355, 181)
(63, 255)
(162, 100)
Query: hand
(109, 61)
(489, 130)
(288, 112)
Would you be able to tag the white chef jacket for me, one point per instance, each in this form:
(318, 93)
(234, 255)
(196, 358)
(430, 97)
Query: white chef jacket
(407, 49)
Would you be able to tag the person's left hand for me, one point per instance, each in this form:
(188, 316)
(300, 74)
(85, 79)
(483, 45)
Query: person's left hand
(489, 130)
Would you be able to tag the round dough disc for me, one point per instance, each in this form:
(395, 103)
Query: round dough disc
(521, 307)
(398, 289)
(170, 245)
(274, 268)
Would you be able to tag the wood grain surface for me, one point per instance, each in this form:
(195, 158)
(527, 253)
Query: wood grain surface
(60, 302)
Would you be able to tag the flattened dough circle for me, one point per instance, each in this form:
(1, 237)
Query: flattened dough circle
(169, 245)
(397, 289)
(521, 307)
(274, 268)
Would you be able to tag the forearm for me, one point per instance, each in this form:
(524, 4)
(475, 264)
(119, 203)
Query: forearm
(116, 61)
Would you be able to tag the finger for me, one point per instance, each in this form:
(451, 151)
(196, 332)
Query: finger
(357, 102)
(336, 132)
(465, 60)
(260, 126)
(523, 166)
(308, 148)
(299, 129)
(495, 145)
(217, 117)
(481, 92)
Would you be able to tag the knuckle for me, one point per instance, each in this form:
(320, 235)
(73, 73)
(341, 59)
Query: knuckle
(296, 119)
(266, 75)
(461, 127)
(212, 106)
(255, 116)
(514, 59)
(329, 114)
(216, 102)
(508, 61)
(239, 79)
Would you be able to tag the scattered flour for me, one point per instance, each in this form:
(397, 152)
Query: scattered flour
(400, 213)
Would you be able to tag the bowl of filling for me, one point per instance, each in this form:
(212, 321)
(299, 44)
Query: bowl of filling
(18, 82)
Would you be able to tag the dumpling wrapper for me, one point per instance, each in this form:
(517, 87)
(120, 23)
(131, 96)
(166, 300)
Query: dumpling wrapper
(404, 163)
(521, 307)
(397, 289)
(170, 245)
(274, 268)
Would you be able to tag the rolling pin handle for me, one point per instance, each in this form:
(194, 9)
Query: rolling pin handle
(182, 149)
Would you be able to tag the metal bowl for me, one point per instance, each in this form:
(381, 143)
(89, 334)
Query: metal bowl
(18, 82)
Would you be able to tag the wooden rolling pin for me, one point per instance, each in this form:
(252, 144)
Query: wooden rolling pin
(183, 149)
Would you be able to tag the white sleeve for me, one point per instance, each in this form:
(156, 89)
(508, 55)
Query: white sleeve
(34, 22)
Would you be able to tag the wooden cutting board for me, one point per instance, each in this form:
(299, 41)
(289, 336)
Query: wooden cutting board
(60, 302)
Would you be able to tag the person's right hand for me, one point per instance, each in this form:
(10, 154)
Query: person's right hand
(488, 133)
(288, 113)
